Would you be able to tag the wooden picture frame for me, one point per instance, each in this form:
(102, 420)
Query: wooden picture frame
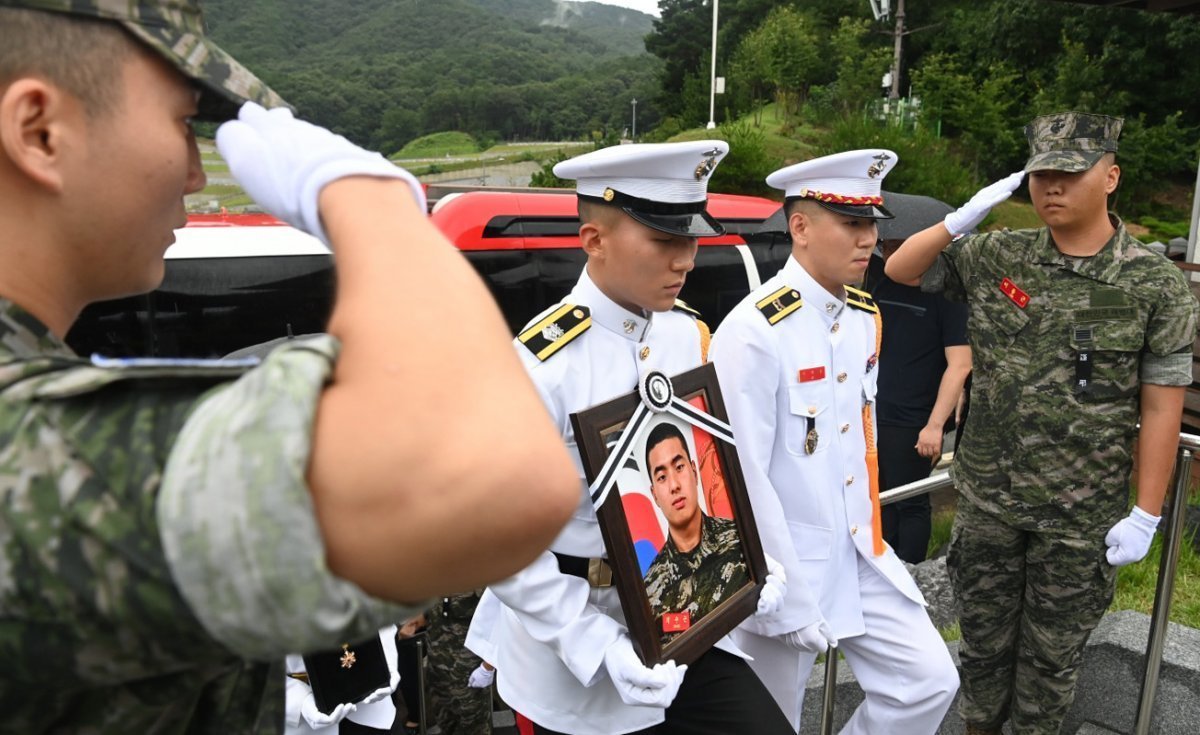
(630, 501)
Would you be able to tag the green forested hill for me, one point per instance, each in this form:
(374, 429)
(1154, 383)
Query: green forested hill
(385, 71)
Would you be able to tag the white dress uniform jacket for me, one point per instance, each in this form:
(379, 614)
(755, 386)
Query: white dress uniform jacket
(553, 628)
(813, 369)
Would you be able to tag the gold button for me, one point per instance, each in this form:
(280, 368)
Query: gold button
(853, 530)
(578, 313)
(850, 480)
(812, 410)
(644, 353)
(842, 377)
(836, 326)
(845, 428)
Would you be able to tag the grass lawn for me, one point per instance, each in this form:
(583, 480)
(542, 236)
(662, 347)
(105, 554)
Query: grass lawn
(439, 144)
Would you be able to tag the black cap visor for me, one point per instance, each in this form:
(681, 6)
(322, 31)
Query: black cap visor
(700, 224)
(687, 219)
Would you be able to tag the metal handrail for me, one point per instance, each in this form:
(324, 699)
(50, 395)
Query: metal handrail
(1164, 589)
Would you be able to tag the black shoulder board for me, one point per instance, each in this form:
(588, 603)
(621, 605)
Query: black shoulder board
(556, 330)
(860, 300)
(779, 304)
(681, 305)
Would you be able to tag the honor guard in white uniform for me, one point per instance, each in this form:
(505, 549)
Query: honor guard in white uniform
(797, 360)
(561, 648)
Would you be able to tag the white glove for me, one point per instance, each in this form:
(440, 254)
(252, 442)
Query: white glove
(813, 638)
(284, 163)
(964, 219)
(481, 677)
(383, 692)
(1129, 540)
(637, 684)
(317, 719)
(770, 599)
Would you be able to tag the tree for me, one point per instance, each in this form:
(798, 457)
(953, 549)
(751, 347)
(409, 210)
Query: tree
(784, 53)
(861, 61)
(681, 38)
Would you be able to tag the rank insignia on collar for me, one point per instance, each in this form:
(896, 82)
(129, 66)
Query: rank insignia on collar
(556, 330)
(1013, 292)
(861, 300)
(779, 304)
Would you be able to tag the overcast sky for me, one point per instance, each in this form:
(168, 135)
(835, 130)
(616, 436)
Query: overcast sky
(646, 6)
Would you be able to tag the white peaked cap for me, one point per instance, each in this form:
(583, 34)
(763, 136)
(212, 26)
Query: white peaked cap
(848, 182)
(662, 185)
(661, 172)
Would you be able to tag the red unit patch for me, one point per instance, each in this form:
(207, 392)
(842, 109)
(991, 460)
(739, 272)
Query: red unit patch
(676, 622)
(808, 375)
(1010, 289)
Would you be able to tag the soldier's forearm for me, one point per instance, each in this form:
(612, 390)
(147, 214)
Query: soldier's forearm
(1158, 440)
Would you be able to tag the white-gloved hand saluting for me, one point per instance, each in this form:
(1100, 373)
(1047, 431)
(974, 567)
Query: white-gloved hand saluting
(637, 684)
(1129, 540)
(317, 719)
(284, 163)
(966, 217)
(770, 599)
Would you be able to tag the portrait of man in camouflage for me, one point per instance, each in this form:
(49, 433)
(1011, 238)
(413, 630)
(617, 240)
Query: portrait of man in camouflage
(701, 563)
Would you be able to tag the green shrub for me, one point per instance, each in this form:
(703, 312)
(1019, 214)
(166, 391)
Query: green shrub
(1164, 231)
(545, 178)
(745, 169)
(928, 165)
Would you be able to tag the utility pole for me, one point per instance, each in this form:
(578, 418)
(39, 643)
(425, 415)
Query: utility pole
(633, 137)
(712, 94)
(897, 50)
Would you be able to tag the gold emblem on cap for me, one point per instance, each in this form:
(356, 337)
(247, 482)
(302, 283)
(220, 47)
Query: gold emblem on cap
(878, 167)
(708, 164)
(609, 194)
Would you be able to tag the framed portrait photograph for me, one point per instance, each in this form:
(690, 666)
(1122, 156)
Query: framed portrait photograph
(674, 513)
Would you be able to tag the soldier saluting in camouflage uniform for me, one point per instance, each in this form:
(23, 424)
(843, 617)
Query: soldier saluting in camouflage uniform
(169, 530)
(701, 563)
(1077, 332)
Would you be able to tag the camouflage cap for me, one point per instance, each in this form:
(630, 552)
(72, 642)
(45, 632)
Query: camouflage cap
(1070, 141)
(175, 30)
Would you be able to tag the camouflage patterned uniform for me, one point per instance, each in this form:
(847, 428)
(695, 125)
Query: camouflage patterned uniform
(1060, 348)
(157, 541)
(457, 708)
(696, 581)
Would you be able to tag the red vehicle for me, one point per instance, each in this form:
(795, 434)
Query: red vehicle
(237, 280)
